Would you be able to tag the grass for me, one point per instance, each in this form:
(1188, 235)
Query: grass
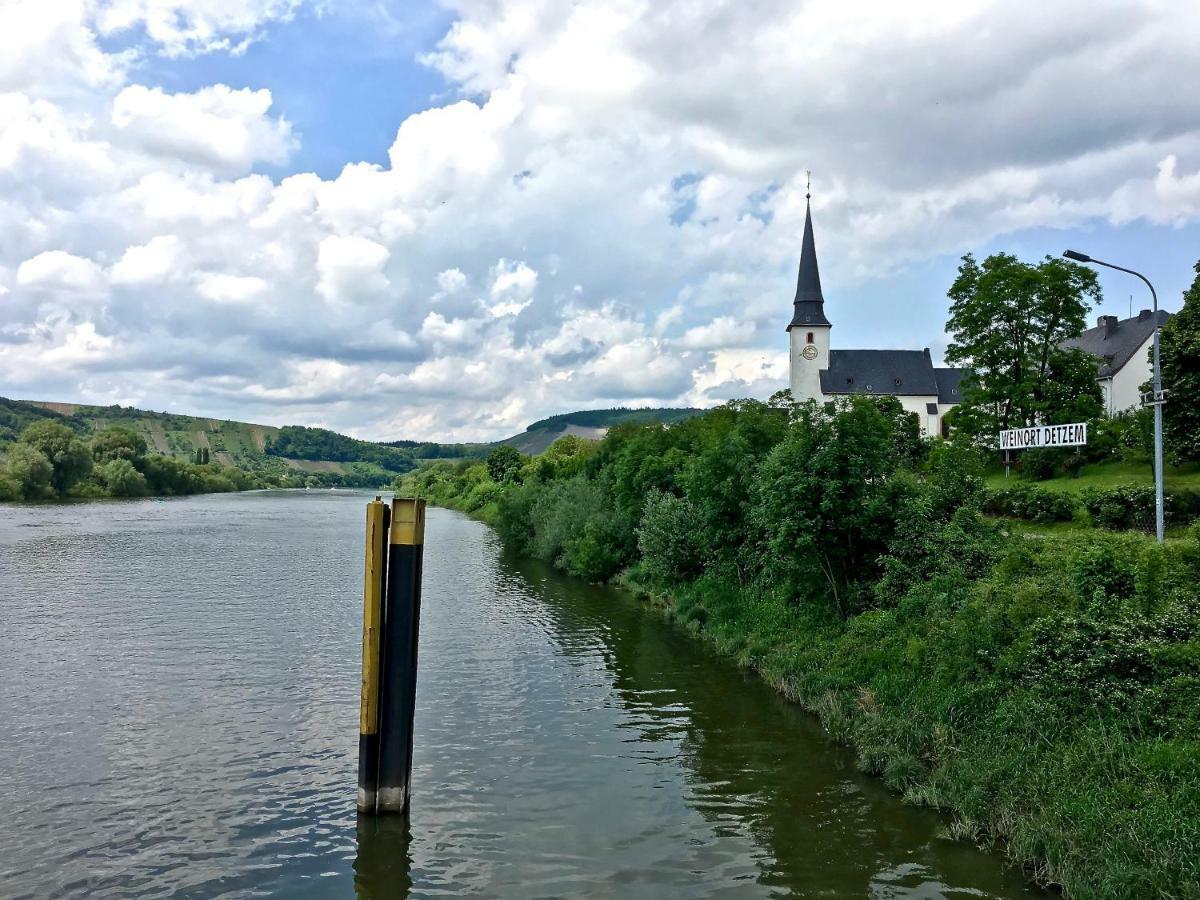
(1109, 475)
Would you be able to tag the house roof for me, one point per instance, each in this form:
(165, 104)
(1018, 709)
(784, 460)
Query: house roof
(1114, 342)
(809, 305)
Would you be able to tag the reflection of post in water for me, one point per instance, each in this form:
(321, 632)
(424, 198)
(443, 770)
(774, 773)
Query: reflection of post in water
(383, 866)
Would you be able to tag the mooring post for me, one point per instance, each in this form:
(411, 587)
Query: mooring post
(374, 573)
(401, 621)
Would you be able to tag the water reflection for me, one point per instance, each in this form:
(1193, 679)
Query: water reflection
(197, 669)
(383, 864)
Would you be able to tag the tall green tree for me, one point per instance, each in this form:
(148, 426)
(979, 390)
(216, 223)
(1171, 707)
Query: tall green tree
(118, 442)
(69, 456)
(29, 470)
(1008, 320)
(1180, 352)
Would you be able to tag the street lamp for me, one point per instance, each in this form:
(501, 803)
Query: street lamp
(1156, 399)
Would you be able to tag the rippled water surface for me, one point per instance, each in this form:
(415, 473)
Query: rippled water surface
(179, 707)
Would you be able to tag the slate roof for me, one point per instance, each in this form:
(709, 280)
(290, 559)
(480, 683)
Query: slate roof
(809, 305)
(901, 373)
(1114, 347)
(949, 382)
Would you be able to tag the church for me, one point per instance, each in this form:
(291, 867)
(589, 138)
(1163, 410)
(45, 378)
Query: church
(822, 374)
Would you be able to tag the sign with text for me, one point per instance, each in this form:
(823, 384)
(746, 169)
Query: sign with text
(1044, 436)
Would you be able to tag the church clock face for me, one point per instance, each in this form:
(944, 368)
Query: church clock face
(809, 352)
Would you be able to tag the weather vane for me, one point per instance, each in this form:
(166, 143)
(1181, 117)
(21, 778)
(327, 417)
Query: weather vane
(808, 185)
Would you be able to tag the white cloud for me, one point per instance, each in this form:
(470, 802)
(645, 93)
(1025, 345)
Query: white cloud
(56, 269)
(221, 287)
(608, 212)
(350, 267)
(151, 262)
(216, 126)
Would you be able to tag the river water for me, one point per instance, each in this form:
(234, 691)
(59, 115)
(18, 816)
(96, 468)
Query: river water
(179, 688)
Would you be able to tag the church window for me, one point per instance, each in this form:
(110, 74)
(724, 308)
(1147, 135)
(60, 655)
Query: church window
(810, 338)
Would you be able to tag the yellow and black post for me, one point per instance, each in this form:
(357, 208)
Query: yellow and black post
(401, 622)
(374, 576)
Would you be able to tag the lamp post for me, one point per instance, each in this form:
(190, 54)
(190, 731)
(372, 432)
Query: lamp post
(1156, 397)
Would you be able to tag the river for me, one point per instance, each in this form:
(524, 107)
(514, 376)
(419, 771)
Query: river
(179, 688)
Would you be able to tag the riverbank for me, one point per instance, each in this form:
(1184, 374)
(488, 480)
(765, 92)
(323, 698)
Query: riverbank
(1040, 690)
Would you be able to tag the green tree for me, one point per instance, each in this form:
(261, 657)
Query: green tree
(68, 455)
(1180, 353)
(1008, 320)
(121, 479)
(118, 442)
(504, 463)
(825, 502)
(30, 470)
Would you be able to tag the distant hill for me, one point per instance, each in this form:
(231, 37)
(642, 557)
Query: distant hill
(325, 456)
(590, 423)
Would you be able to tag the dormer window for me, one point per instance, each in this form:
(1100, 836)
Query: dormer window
(897, 382)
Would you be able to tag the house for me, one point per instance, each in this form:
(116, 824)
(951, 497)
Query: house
(821, 373)
(1122, 351)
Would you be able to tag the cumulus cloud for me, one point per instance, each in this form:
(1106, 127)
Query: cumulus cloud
(216, 126)
(350, 267)
(604, 208)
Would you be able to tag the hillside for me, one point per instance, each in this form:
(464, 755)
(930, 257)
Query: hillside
(589, 423)
(322, 456)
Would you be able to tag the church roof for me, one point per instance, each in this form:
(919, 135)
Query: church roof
(1113, 342)
(895, 372)
(949, 382)
(809, 305)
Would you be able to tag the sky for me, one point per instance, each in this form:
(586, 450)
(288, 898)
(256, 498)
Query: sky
(403, 219)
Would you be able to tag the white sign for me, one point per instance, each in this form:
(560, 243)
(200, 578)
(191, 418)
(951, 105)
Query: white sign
(1044, 436)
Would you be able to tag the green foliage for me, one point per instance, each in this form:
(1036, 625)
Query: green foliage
(1007, 322)
(121, 479)
(983, 672)
(68, 455)
(298, 442)
(824, 502)
(669, 538)
(28, 472)
(118, 442)
(504, 463)
(1180, 353)
(1024, 501)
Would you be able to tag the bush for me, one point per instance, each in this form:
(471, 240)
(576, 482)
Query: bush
(1132, 506)
(121, 479)
(668, 538)
(1024, 501)
(30, 471)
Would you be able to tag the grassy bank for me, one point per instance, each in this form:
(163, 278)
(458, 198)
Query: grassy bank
(1040, 686)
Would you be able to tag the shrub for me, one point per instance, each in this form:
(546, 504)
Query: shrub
(121, 479)
(1024, 501)
(1130, 506)
(668, 538)
(30, 470)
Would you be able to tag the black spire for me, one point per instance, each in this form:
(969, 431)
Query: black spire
(810, 302)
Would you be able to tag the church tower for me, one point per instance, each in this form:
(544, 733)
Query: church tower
(808, 333)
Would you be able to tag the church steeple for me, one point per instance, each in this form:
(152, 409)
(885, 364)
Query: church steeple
(809, 304)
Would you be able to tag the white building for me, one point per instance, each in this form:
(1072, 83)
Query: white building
(821, 373)
(1122, 351)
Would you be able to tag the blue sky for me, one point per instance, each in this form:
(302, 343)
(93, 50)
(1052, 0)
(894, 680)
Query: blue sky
(515, 208)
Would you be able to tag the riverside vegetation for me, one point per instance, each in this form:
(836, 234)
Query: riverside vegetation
(1040, 688)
